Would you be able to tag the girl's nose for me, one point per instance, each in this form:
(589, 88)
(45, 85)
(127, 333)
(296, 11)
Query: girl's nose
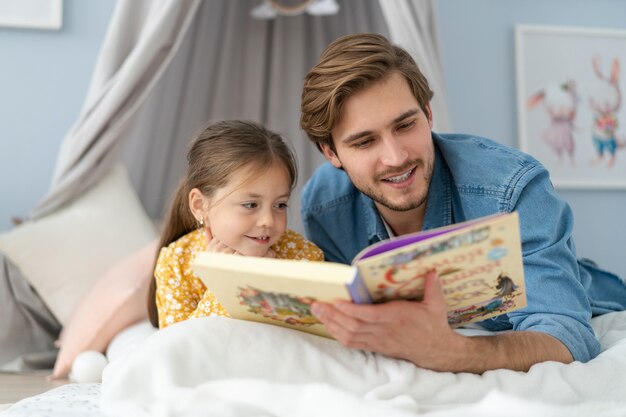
(266, 218)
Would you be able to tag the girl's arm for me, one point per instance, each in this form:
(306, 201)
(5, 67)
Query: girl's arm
(177, 292)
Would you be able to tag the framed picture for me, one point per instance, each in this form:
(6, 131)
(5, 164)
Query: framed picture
(36, 14)
(572, 104)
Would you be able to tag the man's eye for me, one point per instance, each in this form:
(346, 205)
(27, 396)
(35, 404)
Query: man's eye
(407, 125)
(250, 205)
(363, 143)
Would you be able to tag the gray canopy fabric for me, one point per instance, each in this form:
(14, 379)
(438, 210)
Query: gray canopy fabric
(413, 26)
(169, 66)
(142, 39)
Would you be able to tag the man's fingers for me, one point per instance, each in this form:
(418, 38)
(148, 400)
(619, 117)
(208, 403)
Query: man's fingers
(372, 313)
(336, 323)
(332, 315)
(432, 288)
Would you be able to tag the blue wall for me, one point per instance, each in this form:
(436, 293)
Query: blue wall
(44, 77)
(45, 74)
(479, 63)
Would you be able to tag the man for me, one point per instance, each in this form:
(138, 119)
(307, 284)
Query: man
(366, 106)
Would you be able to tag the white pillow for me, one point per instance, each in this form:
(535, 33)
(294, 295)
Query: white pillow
(63, 253)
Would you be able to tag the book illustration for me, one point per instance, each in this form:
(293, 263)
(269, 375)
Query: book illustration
(403, 273)
(503, 301)
(282, 307)
(479, 280)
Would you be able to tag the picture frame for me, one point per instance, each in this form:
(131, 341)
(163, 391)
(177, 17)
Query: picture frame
(32, 14)
(571, 94)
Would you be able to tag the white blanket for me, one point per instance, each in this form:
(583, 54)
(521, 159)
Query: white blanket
(217, 366)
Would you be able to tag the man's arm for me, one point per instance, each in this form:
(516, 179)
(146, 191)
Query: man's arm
(419, 332)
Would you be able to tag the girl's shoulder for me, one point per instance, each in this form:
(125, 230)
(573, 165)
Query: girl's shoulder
(184, 246)
(293, 245)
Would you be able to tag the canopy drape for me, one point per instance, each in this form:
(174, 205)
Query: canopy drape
(167, 67)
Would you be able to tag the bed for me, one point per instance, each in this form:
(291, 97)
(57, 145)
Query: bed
(219, 366)
(226, 367)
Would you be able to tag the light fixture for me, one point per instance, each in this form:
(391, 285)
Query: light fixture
(269, 9)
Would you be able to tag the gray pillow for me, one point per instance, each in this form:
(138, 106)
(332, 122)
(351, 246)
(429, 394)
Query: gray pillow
(27, 327)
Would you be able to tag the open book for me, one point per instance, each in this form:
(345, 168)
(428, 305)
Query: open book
(479, 263)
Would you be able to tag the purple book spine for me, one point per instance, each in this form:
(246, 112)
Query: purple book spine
(358, 290)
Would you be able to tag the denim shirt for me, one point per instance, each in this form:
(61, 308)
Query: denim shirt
(475, 177)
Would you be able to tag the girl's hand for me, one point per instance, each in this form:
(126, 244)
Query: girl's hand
(214, 245)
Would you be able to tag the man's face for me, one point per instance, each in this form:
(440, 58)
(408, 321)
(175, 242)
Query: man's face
(383, 142)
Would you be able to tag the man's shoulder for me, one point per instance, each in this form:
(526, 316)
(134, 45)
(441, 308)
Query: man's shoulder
(476, 160)
(327, 187)
(465, 146)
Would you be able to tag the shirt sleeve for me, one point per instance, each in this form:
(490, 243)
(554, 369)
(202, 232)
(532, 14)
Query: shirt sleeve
(179, 295)
(557, 302)
(293, 245)
(209, 306)
(316, 232)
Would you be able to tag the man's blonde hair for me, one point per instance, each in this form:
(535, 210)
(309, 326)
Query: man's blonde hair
(348, 65)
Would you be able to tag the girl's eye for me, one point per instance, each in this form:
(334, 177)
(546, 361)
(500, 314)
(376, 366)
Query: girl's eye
(282, 206)
(249, 205)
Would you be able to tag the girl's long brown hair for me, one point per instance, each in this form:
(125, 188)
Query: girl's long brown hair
(218, 151)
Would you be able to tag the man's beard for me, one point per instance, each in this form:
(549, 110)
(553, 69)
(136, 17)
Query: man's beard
(381, 199)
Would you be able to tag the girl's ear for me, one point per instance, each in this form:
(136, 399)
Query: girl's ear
(199, 205)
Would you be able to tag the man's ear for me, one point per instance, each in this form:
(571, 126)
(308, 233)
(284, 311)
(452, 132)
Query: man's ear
(429, 115)
(198, 204)
(330, 155)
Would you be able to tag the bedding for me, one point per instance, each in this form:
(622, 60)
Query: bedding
(63, 254)
(116, 301)
(218, 366)
(85, 265)
(72, 400)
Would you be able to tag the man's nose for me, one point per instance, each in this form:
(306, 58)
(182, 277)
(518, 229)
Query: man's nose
(394, 153)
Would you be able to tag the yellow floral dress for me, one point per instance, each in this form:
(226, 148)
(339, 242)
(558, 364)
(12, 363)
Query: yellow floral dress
(180, 294)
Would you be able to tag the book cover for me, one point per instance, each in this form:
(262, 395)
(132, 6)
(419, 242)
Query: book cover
(479, 264)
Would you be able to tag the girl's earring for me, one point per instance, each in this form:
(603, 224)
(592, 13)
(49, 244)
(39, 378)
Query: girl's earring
(201, 221)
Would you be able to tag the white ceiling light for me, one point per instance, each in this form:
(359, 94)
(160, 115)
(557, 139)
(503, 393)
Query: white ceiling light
(269, 9)
(323, 7)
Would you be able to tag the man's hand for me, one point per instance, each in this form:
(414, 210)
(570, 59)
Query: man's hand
(415, 331)
(419, 332)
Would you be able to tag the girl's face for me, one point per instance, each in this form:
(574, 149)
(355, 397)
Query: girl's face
(249, 214)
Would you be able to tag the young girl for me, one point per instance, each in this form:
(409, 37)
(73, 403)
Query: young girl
(234, 200)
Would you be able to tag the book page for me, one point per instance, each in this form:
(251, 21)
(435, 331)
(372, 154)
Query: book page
(274, 291)
(479, 266)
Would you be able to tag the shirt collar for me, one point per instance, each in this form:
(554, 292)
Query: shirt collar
(439, 205)
(376, 230)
